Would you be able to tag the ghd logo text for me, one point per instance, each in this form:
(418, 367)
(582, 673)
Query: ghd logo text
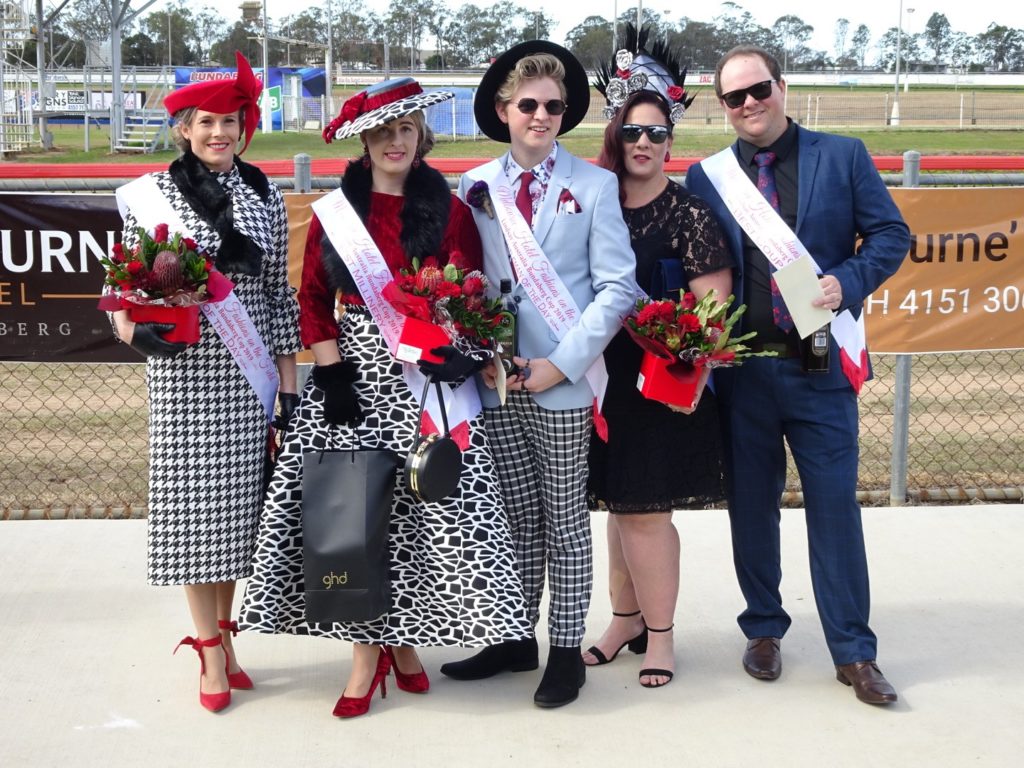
(335, 580)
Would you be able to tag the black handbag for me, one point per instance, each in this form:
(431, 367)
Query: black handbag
(667, 279)
(434, 464)
(346, 511)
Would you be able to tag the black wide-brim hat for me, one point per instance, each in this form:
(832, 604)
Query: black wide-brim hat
(577, 88)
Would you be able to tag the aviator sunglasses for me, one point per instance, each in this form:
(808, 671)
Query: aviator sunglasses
(656, 133)
(760, 91)
(529, 106)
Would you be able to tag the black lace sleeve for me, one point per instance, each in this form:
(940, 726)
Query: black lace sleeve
(702, 249)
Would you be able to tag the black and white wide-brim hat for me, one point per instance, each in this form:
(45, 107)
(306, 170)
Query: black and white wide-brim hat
(381, 103)
(577, 88)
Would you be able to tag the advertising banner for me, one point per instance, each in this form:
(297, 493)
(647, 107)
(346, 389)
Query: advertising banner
(961, 287)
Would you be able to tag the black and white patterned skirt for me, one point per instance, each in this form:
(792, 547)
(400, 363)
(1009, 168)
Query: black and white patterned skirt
(454, 578)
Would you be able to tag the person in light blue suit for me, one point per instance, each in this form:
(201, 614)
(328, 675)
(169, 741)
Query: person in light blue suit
(541, 435)
(829, 193)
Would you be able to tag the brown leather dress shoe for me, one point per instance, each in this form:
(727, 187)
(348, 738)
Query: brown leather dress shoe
(868, 682)
(763, 659)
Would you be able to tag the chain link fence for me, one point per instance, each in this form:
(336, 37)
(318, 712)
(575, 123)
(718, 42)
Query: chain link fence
(76, 438)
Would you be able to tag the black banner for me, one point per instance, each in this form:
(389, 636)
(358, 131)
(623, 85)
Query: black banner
(51, 277)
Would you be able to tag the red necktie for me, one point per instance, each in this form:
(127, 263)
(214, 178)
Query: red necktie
(524, 201)
(766, 185)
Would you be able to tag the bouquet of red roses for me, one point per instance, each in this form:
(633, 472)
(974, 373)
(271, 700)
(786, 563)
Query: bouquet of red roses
(163, 278)
(682, 341)
(450, 298)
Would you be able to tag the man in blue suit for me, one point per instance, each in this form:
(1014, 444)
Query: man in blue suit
(566, 249)
(829, 193)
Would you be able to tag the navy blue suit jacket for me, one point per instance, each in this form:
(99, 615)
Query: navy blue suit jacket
(842, 198)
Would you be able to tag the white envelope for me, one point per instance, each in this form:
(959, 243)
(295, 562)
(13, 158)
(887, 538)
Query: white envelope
(798, 284)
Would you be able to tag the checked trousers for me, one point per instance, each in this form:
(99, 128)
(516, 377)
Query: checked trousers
(541, 457)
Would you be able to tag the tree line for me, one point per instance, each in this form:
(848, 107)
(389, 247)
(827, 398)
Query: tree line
(469, 35)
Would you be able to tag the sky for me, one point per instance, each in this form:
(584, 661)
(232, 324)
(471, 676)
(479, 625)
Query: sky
(971, 17)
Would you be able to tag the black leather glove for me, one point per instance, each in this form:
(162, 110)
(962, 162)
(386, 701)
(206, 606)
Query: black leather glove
(147, 341)
(287, 402)
(341, 404)
(456, 365)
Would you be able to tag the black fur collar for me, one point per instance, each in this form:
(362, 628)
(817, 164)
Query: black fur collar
(205, 195)
(424, 216)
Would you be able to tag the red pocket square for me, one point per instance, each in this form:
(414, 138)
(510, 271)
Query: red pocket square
(567, 203)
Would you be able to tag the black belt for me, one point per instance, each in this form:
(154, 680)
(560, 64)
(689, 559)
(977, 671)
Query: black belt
(781, 350)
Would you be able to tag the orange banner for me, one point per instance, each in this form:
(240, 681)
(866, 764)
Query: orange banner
(961, 287)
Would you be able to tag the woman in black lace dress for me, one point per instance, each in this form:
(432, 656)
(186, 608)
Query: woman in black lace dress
(655, 460)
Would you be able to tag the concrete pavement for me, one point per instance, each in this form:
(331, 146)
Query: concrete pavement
(87, 677)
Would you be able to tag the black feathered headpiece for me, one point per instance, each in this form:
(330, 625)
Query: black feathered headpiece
(637, 67)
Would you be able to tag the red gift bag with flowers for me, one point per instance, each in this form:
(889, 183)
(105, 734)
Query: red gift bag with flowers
(164, 279)
(442, 305)
(683, 341)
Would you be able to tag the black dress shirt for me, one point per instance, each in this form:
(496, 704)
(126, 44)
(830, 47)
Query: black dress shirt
(756, 269)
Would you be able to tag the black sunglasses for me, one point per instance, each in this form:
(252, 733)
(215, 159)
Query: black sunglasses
(529, 106)
(760, 91)
(656, 133)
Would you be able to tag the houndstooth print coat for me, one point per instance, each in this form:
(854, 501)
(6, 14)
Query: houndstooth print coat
(207, 428)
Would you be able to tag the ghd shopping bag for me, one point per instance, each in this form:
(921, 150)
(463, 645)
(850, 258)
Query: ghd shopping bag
(346, 509)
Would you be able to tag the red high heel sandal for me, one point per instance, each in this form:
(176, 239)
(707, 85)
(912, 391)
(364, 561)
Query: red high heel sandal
(214, 702)
(350, 706)
(238, 679)
(416, 682)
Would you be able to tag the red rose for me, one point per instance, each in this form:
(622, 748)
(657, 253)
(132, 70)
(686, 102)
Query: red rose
(208, 265)
(666, 311)
(647, 314)
(134, 268)
(689, 300)
(191, 244)
(689, 323)
(676, 93)
(118, 253)
(160, 233)
(445, 288)
(472, 286)
(622, 74)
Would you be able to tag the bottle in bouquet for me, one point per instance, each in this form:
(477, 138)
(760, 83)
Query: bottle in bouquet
(507, 336)
(814, 350)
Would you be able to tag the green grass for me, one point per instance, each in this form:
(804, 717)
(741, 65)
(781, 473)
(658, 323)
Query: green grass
(68, 143)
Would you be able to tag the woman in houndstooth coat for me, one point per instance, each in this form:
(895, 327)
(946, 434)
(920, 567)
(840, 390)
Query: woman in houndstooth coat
(208, 431)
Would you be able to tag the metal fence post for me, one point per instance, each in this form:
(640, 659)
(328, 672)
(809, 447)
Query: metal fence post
(901, 390)
(303, 172)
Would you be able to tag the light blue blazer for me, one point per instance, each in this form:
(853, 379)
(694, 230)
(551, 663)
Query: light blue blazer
(590, 250)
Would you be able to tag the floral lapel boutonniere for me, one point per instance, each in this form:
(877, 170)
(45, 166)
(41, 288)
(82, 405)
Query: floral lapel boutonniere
(567, 203)
(479, 196)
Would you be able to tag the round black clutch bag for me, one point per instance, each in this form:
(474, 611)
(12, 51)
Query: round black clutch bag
(434, 465)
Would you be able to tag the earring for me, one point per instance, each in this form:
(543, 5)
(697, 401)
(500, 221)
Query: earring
(416, 160)
(668, 155)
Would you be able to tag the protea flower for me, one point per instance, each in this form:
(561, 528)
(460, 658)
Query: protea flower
(166, 274)
(428, 279)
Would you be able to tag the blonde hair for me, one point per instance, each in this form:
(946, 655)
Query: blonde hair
(533, 67)
(185, 116)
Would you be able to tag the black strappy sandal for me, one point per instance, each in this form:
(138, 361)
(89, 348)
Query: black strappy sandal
(650, 672)
(636, 644)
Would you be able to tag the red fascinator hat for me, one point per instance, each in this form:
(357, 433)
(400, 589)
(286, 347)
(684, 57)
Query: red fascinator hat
(223, 97)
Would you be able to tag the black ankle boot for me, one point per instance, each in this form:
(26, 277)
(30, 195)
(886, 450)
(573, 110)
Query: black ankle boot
(510, 656)
(564, 675)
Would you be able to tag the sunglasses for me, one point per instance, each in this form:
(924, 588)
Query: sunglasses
(554, 107)
(736, 99)
(656, 133)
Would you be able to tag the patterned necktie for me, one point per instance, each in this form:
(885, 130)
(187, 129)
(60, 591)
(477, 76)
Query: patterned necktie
(524, 201)
(766, 186)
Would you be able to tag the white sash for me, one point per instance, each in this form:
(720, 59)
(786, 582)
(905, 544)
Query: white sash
(783, 249)
(535, 271)
(371, 273)
(228, 317)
